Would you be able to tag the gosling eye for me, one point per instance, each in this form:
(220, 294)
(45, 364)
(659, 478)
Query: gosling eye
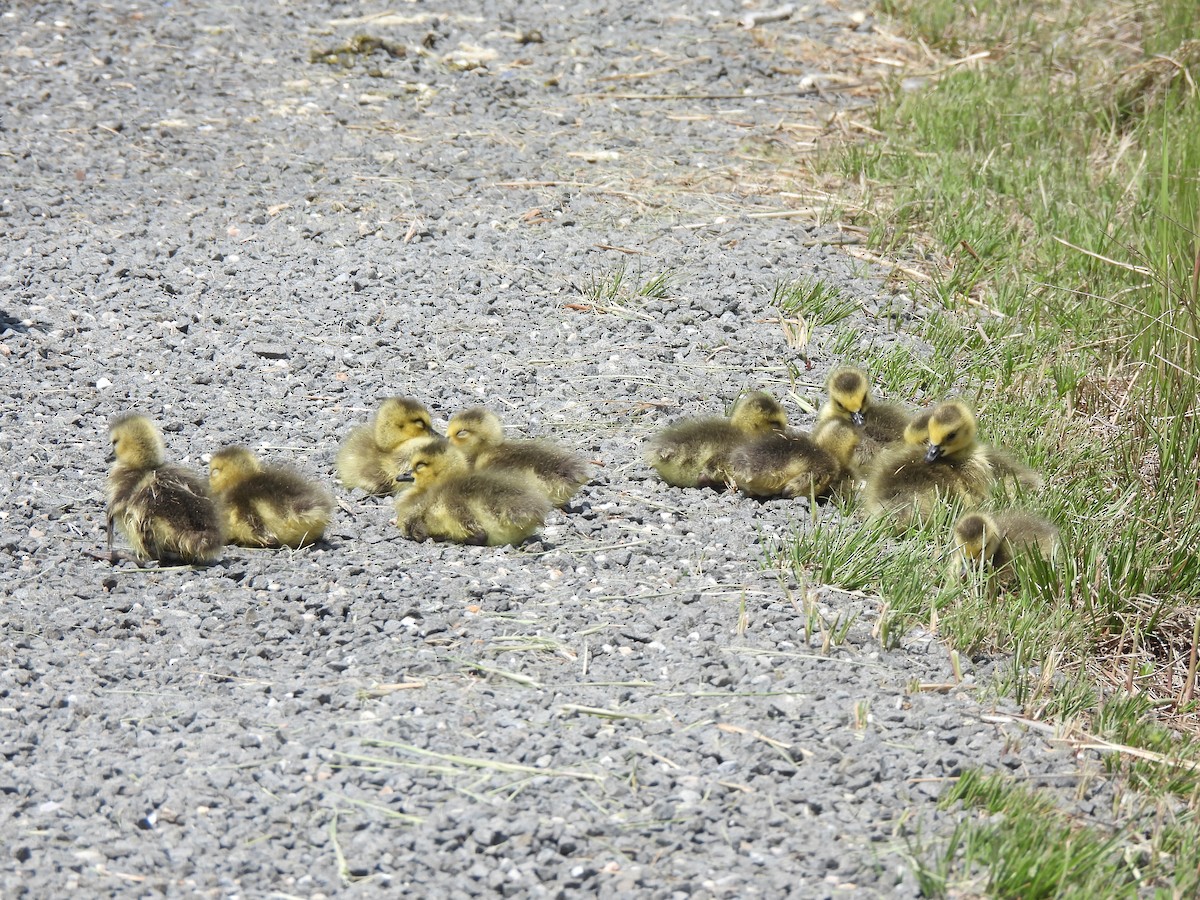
(951, 436)
(420, 467)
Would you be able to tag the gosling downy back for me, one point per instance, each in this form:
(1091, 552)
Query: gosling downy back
(794, 464)
(479, 433)
(371, 454)
(850, 400)
(696, 452)
(267, 506)
(449, 501)
(166, 512)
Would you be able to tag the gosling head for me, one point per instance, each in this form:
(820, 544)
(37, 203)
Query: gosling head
(136, 442)
(849, 393)
(231, 466)
(431, 460)
(977, 538)
(474, 428)
(758, 413)
(916, 432)
(401, 419)
(951, 430)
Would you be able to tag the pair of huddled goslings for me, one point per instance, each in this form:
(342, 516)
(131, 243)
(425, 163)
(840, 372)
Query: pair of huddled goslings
(910, 463)
(473, 486)
(167, 512)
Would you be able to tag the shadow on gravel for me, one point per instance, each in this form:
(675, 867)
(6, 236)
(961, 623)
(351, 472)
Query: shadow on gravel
(10, 322)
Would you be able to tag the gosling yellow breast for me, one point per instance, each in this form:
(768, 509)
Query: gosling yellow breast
(988, 543)
(908, 482)
(850, 400)
(371, 454)
(166, 512)
(449, 501)
(267, 506)
(696, 452)
(479, 434)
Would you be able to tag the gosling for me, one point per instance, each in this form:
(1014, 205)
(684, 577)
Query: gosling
(850, 400)
(450, 502)
(696, 452)
(166, 512)
(267, 506)
(479, 434)
(371, 454)
(988, 543)
(796, 465)
(909, 482)
(1005, 466)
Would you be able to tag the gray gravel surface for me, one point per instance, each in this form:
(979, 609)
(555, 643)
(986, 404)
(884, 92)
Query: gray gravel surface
(201, 223)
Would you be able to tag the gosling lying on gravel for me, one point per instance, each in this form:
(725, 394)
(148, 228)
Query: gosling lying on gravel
(450, 502)
(366, 458)
(165, 512)
(908, 481)
(478, 433)
(881, 423)
(696, 452)
(267, 506)
(988, 543)
(795, 464)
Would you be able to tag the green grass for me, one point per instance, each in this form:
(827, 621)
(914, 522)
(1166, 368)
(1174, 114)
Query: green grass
(1051, 193)
(1067, 230)
(815, 301)
(615, 292)
(1013, 843)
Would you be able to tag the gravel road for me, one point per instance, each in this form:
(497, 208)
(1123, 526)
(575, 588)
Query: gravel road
(210, 215)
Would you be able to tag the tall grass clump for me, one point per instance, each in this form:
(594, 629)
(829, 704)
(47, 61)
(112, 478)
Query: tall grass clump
(1054, 181)
(1044, 175)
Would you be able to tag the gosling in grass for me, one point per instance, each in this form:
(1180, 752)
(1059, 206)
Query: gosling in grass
(908, 481)
(794, 464)
(696, 452)
(371, 454)
(267, 506)
(1004, 465)
(478, 433)
(881, 423)
(989, 542)
(166, 512)
(448, 501)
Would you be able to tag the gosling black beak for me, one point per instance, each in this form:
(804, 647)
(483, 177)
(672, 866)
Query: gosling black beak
(857, 418)
(933, 454)
(406, 478)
